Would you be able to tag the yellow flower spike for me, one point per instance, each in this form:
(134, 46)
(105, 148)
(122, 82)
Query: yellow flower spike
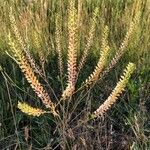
(21, 43)
(31, 111)
(72, 50)
(116, 92)
(123, 47)
(30, 75)
(94, 76)
(89, 40)
(72, 47)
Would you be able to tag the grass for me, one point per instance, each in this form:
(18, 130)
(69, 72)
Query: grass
(125, 126)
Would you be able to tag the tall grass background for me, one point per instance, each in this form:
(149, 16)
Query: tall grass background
(126, 126)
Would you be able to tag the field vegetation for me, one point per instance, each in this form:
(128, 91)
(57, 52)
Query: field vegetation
(74, 75)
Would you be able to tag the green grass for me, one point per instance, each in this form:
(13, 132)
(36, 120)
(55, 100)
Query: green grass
(127, 122)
